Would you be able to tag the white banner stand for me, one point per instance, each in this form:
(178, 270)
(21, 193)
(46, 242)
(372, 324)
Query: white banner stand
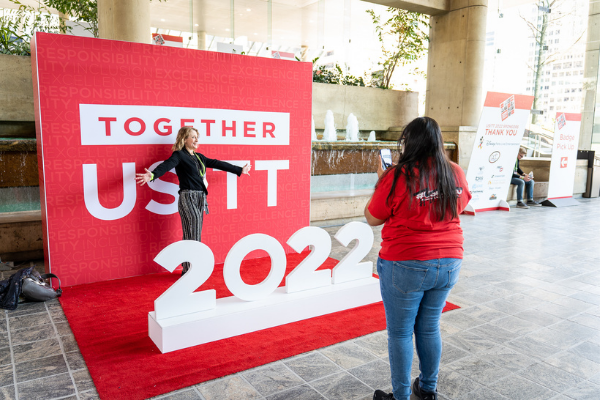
(495, 150)
(564, 160)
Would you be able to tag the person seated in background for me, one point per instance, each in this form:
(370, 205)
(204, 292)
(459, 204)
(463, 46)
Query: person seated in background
(523, 181)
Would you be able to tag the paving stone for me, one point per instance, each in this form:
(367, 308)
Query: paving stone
(452, 384)
(272, 378)
(479, 370)
(47, 388)
(35, 350)
(342, 386)
(470, 342)
(376, 343)
(312, 366)
(7, 393)
(507, 358)
(40, 368)
(229, 388)
(375, 374)
(348, 355)
(551, 377)
(303, 392)
(6, 375)
(83, 380)
(584, 391)
(89, 395)
(28, 321)
(574, 364)
(517, 388)
(75, 361)
(32, 334)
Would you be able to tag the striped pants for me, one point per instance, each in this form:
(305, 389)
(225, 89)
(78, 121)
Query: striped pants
(191, 210)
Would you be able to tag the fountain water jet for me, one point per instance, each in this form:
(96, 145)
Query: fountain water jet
(371, 137)
(352, 129)
(313, 133)
(329, 134)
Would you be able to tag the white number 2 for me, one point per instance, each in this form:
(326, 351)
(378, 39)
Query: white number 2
(180, 298)
(350, 268)
(305, 276)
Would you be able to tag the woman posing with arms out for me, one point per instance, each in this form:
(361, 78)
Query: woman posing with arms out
(418, 201)
(191, 171)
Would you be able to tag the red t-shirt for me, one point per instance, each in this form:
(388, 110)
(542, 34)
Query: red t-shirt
(414, 233)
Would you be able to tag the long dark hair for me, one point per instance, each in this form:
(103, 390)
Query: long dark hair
(425, 166)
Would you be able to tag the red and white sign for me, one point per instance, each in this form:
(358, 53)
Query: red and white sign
(107, 109)
(167, 40)
(495, 150)
(564, 155)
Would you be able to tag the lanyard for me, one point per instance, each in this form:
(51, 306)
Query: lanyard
(203, 172)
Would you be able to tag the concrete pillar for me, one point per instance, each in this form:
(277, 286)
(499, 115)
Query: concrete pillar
(127, 20)
(202, 45)
(590, 76)
(455, 64)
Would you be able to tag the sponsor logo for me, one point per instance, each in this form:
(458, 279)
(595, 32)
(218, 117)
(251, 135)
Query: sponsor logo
(478, 178)
(495, 156)
(507, 107)
(493, 197)
(481, 168)
(498, 176)
(477, 185)
(476, 191)
(500, 168)
(480, 146)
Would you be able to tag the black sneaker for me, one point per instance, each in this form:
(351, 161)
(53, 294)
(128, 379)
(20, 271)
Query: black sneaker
(533, 203)
(422, 394)
(381, 395)
(520, 204)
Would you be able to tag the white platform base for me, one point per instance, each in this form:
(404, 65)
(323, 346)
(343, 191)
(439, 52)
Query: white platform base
(233, 317)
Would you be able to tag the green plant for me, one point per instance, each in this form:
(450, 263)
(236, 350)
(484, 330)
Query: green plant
(403, 37)
(18, 26)
(335, 75)
(80, 10)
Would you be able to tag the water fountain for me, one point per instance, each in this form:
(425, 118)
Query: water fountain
(329, 134)
(313, 132)
(352, 129)
(371, 137)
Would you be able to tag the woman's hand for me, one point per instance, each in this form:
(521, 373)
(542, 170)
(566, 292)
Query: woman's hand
(380, 169)
(143, 178)
(246, 169)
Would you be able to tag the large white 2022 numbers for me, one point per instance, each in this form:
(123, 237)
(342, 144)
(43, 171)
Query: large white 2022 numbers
(180, 298)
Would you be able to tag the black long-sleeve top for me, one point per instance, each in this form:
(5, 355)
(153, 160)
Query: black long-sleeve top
(190, 170)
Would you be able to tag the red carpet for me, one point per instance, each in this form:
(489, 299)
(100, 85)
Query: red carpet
(110, 323)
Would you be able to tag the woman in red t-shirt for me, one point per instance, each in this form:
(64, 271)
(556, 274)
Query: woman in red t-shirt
(418, 200)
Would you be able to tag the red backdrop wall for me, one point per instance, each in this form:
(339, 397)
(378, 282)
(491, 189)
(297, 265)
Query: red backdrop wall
(139, 85)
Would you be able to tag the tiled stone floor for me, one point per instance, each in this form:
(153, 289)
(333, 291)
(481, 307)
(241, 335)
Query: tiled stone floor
(529, 327)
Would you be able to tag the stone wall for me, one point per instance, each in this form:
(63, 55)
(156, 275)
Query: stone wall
(375, 109)
(16, 95)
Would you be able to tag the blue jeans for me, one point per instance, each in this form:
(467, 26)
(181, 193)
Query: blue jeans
(520, 183)
(414, 294)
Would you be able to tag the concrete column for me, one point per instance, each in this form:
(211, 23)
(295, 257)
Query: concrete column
(455, 64)
(202, 45)
(590, 76)
(127, 20)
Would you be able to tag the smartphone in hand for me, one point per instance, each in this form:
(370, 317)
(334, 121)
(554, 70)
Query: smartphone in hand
(386, 158)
